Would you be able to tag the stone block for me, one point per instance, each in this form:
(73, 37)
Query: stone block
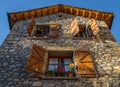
(26, 82)
(37, 83)
(116, 84)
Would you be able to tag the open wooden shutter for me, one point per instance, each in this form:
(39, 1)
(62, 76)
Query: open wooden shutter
(74, 28)
(94, 27)
(31, 26)
(36, 60)
(54, 30)
(85, 64)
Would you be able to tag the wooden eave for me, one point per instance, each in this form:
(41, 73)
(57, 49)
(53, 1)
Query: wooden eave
(24, 15)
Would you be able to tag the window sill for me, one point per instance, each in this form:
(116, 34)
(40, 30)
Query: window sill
(41, 38)
(38, 38)
(60, 78)
(82, 38)
(48, 38)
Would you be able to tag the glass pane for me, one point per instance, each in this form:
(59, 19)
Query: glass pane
(67, 61)
(67, 68)
(53, 67)
(53, 61)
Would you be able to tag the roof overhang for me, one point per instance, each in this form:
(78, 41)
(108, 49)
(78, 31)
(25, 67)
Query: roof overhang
(24, 15)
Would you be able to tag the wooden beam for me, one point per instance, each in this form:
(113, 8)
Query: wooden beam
(104, 16)
(26, 15)
(86, 13)
(99, 16)
(44, 12)
(89, 14)
(13, 17)
(96, 15)
(32, 14)
(50, 10)
(80, 12)
(93, 14)
(56, 10)
(39, 13)
(19, 16)
(83, 13)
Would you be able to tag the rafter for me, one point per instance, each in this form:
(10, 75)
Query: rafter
(25, 15)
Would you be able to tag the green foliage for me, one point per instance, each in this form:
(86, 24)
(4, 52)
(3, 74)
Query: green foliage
(49, 72)
(71, 70)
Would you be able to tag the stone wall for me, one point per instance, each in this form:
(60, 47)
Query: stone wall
(15, 50)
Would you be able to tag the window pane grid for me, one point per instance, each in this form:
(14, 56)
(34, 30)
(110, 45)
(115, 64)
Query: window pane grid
(53, 67)
(53, 61)
(67, 61)
(56, 63)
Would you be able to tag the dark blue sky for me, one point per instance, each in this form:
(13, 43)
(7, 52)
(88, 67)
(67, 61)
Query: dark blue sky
(22, 5)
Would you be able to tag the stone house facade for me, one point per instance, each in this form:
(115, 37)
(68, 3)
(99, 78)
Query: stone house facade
(100, 52)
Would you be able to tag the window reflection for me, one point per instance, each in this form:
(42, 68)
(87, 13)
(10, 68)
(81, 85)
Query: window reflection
(53, 61)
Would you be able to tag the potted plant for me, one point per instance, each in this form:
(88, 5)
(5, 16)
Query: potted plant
(49, 72)
(60, 72)
(70, 73)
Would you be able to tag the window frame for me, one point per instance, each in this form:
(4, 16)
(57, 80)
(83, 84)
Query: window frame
(33, 31)
(53, 31)
(59, 60)
(86, 33)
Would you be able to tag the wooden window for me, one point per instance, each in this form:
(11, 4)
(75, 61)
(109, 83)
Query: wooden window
(84, 31)
(66, 63)
(47, 30)
(55, 63)
(44, 30)
(59, 60)
(88, 30)
(85, 64)
(41, 31)
(36, 60)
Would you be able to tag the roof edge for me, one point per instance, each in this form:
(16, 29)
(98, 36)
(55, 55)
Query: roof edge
(13, 17)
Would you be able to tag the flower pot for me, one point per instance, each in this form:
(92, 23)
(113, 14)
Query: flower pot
(70, 74)
(49, 75)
